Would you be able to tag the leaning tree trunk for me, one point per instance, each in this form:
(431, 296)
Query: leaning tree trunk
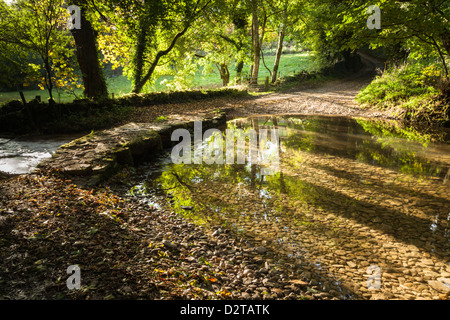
(88, 60)
(138, 86)
(446, 44)
(278, 56)
(256, 43)
(281, 34)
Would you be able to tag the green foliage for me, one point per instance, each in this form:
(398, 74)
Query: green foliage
(161, 119)
(290, 65)
(399, 84)
(318, 26)
(145, 37)
(419, 28)
(413, 88)
(204, 79)
(36, 28)
(13, 66)
(220, 39)
(176, 45)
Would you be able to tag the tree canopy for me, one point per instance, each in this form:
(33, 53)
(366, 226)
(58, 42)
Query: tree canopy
(151, 38)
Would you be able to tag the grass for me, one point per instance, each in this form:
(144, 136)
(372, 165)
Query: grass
(412, 89)
(120, 85)
(289, 65)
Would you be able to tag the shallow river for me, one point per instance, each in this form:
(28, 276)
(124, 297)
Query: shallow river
(362, 206)
(22, 155)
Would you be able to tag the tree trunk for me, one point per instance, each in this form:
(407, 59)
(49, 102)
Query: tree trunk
(88, 60)
(278, 56)
(240, 23)
(239, 68)
(281, 35)
(444, 63)
(138, 86)
(138, 59)
(446, 44)
(264, 63)
(224, 73)
(49, 81)
(256, 43)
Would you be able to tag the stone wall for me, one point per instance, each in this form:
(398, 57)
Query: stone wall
(96, 156)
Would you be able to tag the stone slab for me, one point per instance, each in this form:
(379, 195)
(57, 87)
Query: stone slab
(100, 154)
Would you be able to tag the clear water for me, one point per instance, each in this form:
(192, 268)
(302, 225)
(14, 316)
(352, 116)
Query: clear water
(20, 156)
(350, 193)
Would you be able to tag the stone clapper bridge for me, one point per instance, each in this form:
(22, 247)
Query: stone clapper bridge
(94, 157)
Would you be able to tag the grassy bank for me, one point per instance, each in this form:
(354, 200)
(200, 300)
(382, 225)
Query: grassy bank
(415, 91)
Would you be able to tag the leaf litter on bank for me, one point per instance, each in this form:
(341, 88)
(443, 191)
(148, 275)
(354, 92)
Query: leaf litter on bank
(48, 224)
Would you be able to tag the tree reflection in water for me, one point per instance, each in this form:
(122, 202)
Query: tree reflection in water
(347, 195)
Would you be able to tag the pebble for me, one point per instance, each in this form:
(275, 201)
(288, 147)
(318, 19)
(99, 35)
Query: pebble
(442, 285)
(261, 250)
(245, 296)
(169, 244)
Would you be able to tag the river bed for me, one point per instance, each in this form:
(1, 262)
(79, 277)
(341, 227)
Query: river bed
(361, 206)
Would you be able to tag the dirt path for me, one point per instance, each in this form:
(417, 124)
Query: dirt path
(333, 97)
